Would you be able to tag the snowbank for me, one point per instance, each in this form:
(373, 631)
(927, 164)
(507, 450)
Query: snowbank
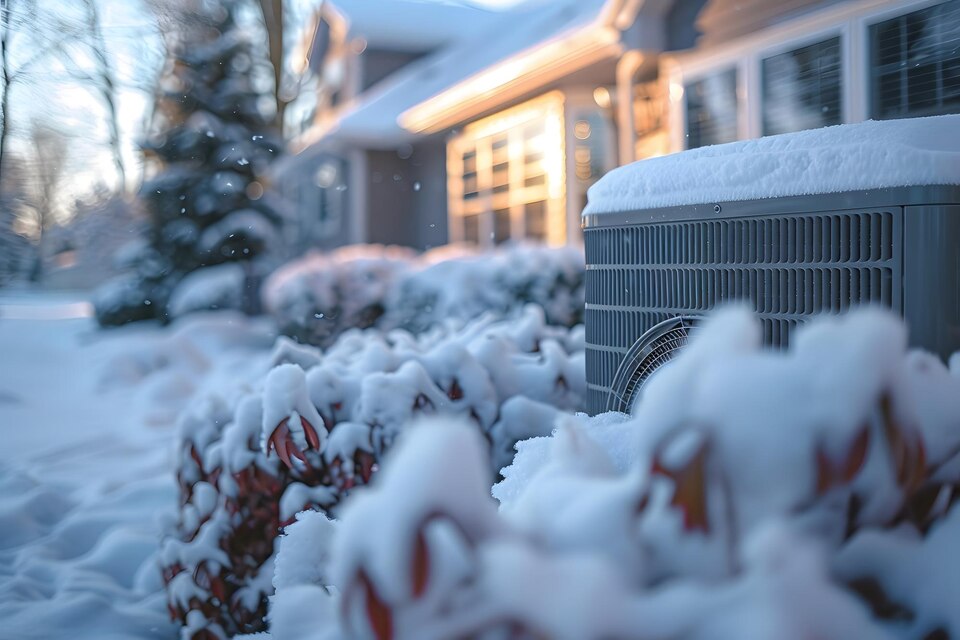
(86, 468)
(753, 494)
(868, 155)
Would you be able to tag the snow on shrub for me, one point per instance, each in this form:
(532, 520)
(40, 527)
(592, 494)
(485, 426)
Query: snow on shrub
(752, 494)
(467, 285)
(217, 287)
(316, 298)
(316, 427)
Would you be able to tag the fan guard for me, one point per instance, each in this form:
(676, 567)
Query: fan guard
(658, 346)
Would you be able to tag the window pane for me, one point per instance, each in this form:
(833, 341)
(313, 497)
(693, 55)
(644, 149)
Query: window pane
(501, 224)
(471, 229)
(471, 188)
(801, 88)
(712, 110)
(501, 177)
(535, 214)
(500, 149)
(915, 63)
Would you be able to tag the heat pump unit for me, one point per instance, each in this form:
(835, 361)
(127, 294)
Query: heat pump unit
(653, 273)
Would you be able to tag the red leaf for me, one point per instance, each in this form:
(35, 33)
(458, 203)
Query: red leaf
(455, 392)
(907, 451)
(313, 439)
(690, 489)
(824, 471)
(420, 571)
(379, 614)
(366, 461)
(857, 455)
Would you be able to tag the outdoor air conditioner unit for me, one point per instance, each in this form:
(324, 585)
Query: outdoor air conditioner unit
(659, 256)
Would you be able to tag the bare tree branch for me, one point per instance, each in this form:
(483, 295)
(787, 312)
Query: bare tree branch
(106, 88)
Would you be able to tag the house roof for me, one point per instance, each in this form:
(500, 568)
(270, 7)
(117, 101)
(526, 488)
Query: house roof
(410, 25)
(535, 42)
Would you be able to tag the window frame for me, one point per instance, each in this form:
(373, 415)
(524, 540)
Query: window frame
(850, 22)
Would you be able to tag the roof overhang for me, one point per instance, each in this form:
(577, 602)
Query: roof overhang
(514, 77)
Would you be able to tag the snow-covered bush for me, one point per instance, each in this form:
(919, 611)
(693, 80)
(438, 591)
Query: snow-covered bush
(752, 494)
(316, 298)
(121, 300)
(467, 285)
(214, 288)
(316, 427)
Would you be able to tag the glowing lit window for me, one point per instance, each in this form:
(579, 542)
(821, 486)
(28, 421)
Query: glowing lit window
(506, 175)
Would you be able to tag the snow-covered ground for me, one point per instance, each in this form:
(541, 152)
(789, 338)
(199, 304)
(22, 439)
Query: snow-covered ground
(86, 477)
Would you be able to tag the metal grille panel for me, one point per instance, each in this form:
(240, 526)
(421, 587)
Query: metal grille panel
(787, 266)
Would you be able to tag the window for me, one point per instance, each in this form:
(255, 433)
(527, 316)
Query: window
(801, 88)
(506, 175)
(471, 228)
(915, 63)
(328, 190)
(501, 225)
(535, 217)
(534, 172)
(712, 110)
(847, 62)
(470, 185)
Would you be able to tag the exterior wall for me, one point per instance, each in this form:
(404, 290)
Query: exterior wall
(406, 196)
(313, 190)
(680, 24)
(724, 20)
(377, 64)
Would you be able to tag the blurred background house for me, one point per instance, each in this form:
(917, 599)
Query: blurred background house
(427, 123)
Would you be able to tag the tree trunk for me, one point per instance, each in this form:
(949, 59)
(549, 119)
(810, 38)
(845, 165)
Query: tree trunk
(5, 10)
(273, 22)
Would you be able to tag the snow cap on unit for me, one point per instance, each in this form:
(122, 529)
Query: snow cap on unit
(851, 157)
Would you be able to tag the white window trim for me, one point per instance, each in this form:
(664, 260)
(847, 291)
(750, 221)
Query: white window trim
(851, 21)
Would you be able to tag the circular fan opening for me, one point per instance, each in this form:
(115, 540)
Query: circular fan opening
(651, 351)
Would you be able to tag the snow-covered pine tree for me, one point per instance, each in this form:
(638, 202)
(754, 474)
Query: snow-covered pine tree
(212, 144)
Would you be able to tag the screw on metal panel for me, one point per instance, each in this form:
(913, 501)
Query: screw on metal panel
(716, 208)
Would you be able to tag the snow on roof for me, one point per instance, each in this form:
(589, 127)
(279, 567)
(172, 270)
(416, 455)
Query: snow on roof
(852, 157)
(411, 25)
(532, 23)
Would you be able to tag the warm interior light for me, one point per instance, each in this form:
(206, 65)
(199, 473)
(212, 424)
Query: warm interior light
(601, 95)
(582, 129)
(553, 153)
(676, 92)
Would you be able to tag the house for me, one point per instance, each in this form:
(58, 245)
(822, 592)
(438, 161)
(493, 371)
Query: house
(497, 132)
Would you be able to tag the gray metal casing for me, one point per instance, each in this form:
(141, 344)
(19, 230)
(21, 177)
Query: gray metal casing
(790, 257)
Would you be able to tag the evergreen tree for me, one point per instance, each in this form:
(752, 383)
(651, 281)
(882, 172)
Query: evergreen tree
(15, 249)
(213, 144)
